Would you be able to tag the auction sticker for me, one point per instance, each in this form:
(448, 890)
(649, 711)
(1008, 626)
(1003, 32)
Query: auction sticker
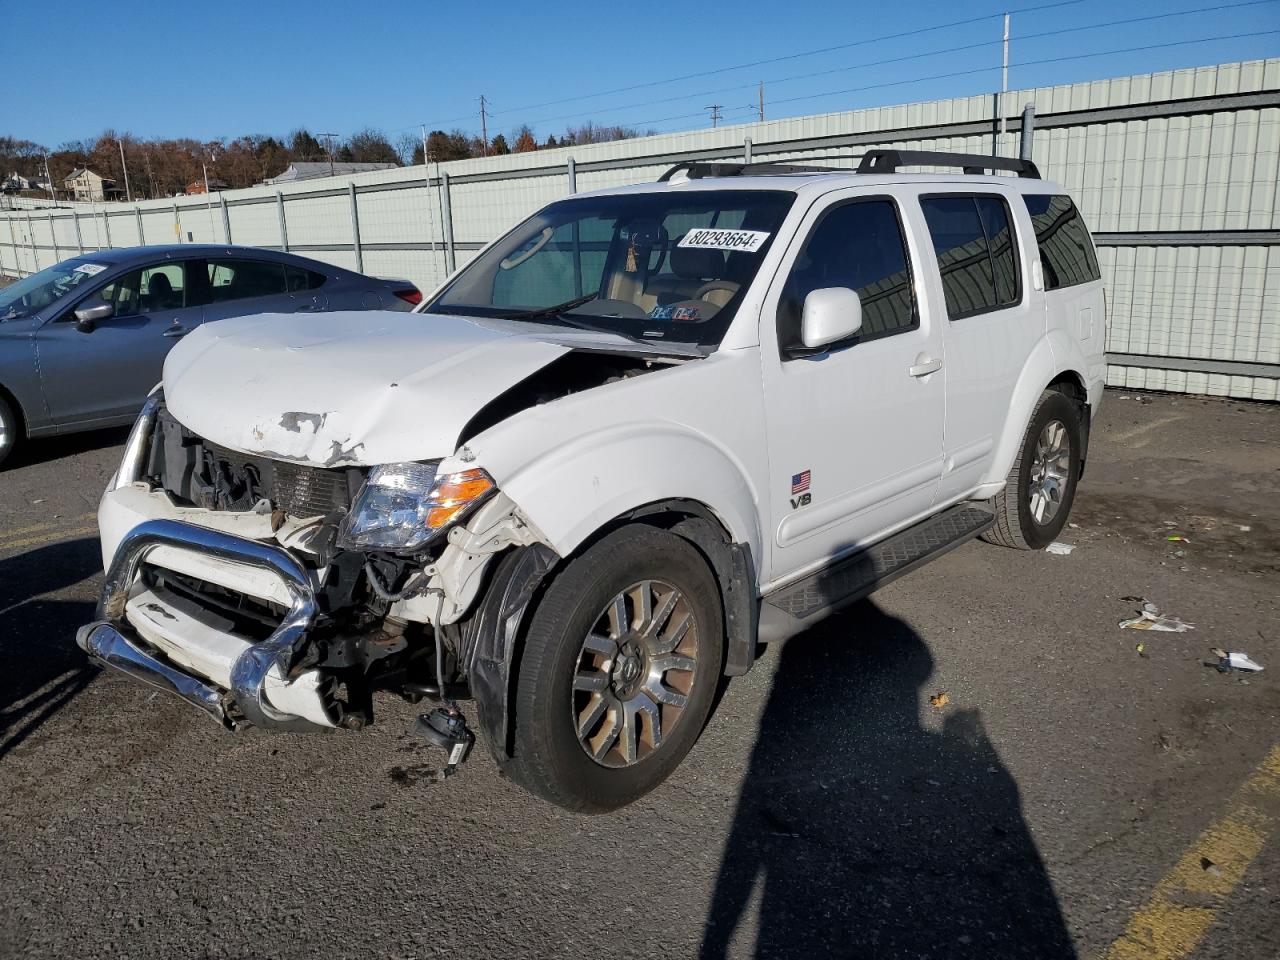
(748, 241)
(90, 269)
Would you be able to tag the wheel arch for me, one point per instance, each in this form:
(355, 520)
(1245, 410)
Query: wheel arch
(12, 400)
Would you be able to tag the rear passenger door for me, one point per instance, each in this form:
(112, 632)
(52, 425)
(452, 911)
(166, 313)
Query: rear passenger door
(993, 320)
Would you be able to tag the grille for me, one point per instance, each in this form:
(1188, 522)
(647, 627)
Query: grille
(298, 490)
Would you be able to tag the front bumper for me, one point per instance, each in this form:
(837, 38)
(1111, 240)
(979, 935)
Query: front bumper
(232, 679)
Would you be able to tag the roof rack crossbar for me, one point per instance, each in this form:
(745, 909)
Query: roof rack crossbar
(888, 161)
(697, 170)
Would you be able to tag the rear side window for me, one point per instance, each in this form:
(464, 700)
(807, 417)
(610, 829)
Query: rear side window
(858, 245)
(1066, 251)
(301, 279)
(240, 279)
(977, 254)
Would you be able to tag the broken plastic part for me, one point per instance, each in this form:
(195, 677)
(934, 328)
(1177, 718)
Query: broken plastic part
(447, 729)
(1236, 661)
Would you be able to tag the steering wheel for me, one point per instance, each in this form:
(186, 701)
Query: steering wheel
(711, 285)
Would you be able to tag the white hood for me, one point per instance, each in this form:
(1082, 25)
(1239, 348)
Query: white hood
(350, 388)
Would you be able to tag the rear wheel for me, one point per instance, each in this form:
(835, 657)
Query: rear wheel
(620, 666)
(1032, 509)
(10, 429)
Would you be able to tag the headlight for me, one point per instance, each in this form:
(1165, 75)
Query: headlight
(403, 505)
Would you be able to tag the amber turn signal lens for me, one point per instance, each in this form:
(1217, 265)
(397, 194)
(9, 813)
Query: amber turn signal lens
(453, 493)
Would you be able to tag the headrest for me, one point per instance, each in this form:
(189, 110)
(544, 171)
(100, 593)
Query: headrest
(160, 284)
(693, 263)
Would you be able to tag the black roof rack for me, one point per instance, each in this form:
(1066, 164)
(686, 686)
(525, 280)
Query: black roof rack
(873, 161)
(888, 161)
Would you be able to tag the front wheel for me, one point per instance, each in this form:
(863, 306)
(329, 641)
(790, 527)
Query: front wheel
(1032, 509)
(9, 429)
(620, 667)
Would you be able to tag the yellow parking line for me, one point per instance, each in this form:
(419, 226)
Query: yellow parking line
(7, 535)
(64, 533)
(1182, 906)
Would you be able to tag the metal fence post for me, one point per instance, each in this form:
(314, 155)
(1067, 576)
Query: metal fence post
(106, 224)
(53, 234)
(177, 222)
(142, 237)
(31, 239)
(75, 218)
(13, 242)
(746, 148)
(355, 228)
(226, 217)
(1028, 131)
(573, 176)
(284, 230)
(450, 257)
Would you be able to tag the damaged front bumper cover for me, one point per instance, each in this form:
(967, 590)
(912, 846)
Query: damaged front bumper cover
(112, 641)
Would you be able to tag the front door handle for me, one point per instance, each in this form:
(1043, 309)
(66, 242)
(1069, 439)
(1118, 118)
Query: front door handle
(177, 330)
(924, 366)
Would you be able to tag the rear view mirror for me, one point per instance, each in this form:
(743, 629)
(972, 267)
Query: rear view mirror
(88, 318)
(830, 314)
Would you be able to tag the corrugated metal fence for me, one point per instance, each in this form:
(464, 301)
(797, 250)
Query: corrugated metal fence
(1176, 173)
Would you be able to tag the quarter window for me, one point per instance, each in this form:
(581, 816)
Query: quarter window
(858, 245)
(240, 279)
(977, 255)
(1066, 251)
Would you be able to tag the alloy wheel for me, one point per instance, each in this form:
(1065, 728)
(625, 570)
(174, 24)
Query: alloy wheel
(1050, 472)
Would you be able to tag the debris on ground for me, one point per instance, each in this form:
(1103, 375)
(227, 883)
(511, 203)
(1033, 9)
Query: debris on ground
(1151, 619)
(1177, 538)
(939, 700)
(1141, 649)
(1060, 549)
(1236, 661)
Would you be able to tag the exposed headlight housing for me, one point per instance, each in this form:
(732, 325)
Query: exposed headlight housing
(402, 506)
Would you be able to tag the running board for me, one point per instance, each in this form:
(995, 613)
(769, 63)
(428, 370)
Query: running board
(797, 606)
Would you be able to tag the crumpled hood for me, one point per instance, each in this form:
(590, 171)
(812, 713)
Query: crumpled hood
(347, 388)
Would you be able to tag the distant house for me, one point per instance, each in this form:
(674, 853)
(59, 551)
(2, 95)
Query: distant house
(215, 185)
(303, 170)
(17, 183)
(85, 185)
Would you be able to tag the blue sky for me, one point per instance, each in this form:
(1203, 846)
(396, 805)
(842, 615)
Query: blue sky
(336, 67)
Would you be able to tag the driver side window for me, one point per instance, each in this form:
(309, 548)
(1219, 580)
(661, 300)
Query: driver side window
(858, 245)
(121, 293)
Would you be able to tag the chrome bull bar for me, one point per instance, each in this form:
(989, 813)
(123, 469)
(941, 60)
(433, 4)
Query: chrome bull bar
(111, 640)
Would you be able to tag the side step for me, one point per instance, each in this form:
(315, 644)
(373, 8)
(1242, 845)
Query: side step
(797, 606)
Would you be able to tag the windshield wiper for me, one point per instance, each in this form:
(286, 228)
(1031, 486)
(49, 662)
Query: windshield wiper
(553, 311)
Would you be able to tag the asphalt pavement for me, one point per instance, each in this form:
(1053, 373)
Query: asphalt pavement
(1068, 794)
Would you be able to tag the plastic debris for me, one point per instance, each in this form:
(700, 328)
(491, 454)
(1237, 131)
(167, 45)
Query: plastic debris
(1059, 548)
(1141, 649)
(939, 700)
(1236, 661)
(1177, 538)
(1151, 619)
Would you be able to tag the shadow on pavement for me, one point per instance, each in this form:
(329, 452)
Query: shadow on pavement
(48, 449)
(864, 834)
(41, 668)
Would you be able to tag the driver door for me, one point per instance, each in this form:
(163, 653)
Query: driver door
(103, 376)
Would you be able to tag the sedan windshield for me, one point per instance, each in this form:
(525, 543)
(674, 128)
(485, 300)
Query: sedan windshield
(670, 265)
(48, 286)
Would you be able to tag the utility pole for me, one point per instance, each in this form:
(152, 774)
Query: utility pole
(484, 124)
(49, 179)
(1004, 73)
(208, 199)
(128, 193)
(762, 101)
(146, 157)
(328, 139)
(424, 145)
(715, 114)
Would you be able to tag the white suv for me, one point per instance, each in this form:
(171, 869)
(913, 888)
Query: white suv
(638, 436)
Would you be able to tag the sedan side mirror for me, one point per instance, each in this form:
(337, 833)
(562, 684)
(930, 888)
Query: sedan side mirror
(830, 315)
(87, 318)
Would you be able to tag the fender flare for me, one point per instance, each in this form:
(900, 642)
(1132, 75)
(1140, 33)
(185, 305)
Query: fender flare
(1045, 364)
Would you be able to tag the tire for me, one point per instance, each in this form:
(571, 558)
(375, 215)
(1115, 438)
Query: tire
(1020, 523)
(10, 429)
(580, 669)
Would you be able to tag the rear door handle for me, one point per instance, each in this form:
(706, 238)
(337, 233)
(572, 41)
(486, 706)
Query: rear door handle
(177, 330)
(924, 366)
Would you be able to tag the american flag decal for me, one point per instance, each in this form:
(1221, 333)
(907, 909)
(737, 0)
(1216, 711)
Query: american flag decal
(800, 482)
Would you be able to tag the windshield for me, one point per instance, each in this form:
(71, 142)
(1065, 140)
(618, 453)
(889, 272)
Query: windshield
(670, 265)
(48, 286)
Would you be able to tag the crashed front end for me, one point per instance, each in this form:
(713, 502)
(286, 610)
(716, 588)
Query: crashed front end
(282, 595)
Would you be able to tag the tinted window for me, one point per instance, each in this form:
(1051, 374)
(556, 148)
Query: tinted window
(162, 288)
(859, 246)
(300, 279)
(977, 255)
(1066, 251)
(238, 279)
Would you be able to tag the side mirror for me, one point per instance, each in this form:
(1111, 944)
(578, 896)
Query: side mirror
(87, 318)
(830, 315)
